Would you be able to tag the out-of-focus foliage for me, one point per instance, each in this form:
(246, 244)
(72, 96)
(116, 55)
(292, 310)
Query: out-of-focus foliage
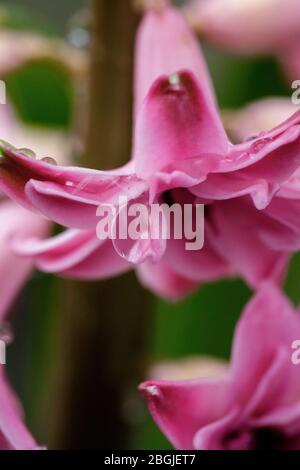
(42, 93)
(19, 19)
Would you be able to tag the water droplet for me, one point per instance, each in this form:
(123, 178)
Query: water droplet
(6, 333)
(78, 30)
(174, 79)
(49, 160)
(70, 184)
(27, 153)
(79, 38)
(259, 145)
(153, 390)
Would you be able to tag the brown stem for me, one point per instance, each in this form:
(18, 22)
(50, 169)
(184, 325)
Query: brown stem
(108, 140)
(103, 334)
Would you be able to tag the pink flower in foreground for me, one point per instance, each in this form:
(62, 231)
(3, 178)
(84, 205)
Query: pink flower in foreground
(181, 154)
(256, 405)
(251, 27)
(158, 166)
(13, 433)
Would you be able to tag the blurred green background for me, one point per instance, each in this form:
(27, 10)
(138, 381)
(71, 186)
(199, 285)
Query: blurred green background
(204, 323)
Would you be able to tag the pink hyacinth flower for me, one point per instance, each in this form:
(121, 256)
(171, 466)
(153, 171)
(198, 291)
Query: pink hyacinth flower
(251, 27)
(13, 433)
(256, 405)
(181, 154)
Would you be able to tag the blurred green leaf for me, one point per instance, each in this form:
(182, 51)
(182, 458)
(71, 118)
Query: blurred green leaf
(292, 285)
(202, 324)
(42, 93)
(240, 79)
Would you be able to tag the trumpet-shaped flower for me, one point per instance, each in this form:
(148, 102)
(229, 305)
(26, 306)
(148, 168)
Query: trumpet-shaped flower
(256, 404)
(181, 154)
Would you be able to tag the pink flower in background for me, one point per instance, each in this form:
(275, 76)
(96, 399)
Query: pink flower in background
(191, 367)
(251, 27)
(13, 433)
(256, 405)
(16, 226)
(181, 154)
(20, 48)
(257, 117)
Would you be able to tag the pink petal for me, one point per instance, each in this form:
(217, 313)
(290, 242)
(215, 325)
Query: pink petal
(177, 121)
(197, 266)
(282, 230)
(267, 326)
(75, 254)
(237, 430)
(164, 282)
(291, 188)
(67, 195)
(165, 44)
(259, 116)
(180, 409)
(139, 243)
(13, 433)
(286, 418)
(184, 174)
(238, 238)
(272, 387)
(213, 436)
(19, 223)
(246, 27)
(258, 168)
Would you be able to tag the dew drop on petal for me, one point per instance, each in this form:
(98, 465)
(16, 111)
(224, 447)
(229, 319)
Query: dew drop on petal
(49, 160)
(259, 145)
(174, 79)
(152, 390)
(6, 333)
(27, 153)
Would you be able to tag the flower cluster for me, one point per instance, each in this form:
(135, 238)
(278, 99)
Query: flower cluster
(182, 154)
